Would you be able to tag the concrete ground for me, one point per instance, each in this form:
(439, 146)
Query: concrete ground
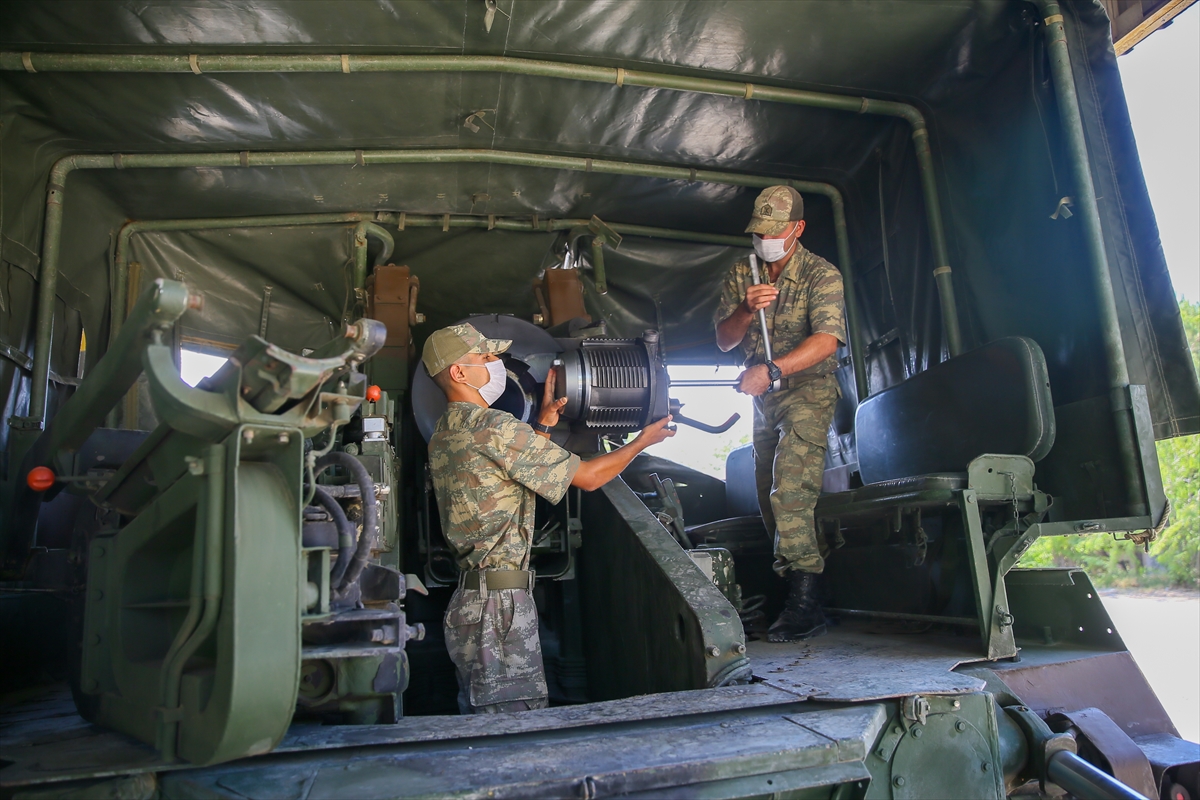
(1162, 631)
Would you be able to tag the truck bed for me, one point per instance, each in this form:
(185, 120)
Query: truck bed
(728, 733)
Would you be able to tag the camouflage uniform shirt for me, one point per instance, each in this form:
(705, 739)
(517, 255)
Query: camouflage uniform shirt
(790, 425)
(809, 301)
(486, 468)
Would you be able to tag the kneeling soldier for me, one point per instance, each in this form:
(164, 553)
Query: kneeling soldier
(487, 466)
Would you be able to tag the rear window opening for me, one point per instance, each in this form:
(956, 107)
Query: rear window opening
(702, 451)
(195, 366)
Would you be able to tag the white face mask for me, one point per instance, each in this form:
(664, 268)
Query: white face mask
(771, 250)
(497, 380)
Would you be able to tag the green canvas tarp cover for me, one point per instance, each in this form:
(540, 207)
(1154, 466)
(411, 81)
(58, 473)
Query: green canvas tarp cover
(977, 70)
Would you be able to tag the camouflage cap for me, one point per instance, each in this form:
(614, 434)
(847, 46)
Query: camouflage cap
(446, 346)
(774, 209)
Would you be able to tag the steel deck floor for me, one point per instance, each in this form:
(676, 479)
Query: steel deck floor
(865, 661)
(45, 740)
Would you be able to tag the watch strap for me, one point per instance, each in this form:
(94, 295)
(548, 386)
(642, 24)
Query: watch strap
(540, 428)
(775, 375)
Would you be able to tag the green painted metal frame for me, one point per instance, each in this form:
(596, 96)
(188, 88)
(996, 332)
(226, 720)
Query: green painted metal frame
(993, 617)
(67, 164)
(371, 223)
(657, 622)
(991, 597)
(361, 231)
(243, 602)
(1093, 233)
(198, 64)
(161, 304)
(161, 63)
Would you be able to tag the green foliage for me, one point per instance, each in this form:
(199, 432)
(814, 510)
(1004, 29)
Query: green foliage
(726, 447)
(1175, 558)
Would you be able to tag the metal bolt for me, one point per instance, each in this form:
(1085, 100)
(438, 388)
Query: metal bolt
(95, 638)
(986, 766)
(284, 438)
(739, 648)
(917, 733)
(714, 651)
(248, 435)
(99, 552)
(958, 703)
(898, 780)
(538, 319)
(419, 319)
(960, 726)
(897, 730)
(98, 594)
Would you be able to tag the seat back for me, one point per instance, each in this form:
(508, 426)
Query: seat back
(741, 493)
(994, 399)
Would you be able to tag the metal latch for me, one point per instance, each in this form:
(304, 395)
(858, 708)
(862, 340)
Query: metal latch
(915, 709)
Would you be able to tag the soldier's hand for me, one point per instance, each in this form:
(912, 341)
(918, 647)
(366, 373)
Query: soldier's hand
(655, 432)
(754, 381)
(759, 296)
(551, 408)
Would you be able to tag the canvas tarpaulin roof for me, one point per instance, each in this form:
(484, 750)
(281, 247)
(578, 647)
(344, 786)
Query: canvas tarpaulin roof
(975, 69)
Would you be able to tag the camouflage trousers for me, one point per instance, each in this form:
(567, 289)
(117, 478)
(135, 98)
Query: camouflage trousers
(789, 465)
(493, 641)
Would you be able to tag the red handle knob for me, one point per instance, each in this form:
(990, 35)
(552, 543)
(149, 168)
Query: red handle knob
(40, 478)
(374, 393)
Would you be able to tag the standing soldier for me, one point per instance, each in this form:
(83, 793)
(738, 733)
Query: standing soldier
(802, 296)
(487, 467)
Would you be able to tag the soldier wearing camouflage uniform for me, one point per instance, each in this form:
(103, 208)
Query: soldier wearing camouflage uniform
(802, 296)
(486, 467)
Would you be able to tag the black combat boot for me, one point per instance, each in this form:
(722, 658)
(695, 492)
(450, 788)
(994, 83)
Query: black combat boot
(802, 617)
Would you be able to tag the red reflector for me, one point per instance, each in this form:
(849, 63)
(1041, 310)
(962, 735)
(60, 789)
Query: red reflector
(40, 478)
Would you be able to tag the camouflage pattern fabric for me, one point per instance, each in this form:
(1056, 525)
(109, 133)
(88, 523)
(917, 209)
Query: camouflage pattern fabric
(789, 464)
(790, 425)
(486, 467)
(493, 641)
(809, 301)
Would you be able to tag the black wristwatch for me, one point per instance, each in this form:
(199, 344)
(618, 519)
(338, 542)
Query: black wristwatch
(775, 374)
(540, 428)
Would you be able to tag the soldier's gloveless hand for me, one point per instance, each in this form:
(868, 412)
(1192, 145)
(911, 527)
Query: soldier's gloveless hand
(551, 408)
(655, 432)
(754, 381)
(759, 296)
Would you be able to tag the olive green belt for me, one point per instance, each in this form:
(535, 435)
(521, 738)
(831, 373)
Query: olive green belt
(498, 579)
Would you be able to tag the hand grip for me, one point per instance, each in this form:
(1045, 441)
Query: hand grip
(762, 316)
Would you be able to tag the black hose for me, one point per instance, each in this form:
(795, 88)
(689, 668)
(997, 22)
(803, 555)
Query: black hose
(366, 488)
(346, 534)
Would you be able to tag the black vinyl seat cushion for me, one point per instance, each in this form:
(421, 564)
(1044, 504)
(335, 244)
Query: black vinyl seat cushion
(938, 481)
(994, 399)
(935, 489)
(916, 438)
